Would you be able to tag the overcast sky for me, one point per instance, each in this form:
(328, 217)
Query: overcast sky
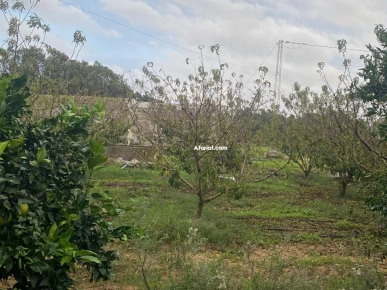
(246, 30)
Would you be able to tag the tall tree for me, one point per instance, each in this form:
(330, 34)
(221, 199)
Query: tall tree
(372, 92)
(205, 110)
(347, 126)
(299, 139)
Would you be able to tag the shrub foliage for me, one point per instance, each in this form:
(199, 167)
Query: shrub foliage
(46, 166)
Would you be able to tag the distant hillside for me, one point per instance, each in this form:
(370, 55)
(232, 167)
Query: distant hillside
(52, 72)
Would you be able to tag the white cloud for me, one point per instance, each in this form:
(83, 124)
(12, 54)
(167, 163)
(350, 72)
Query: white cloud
(247, 32)
(53, 11)
(355, 14)
(113, 33)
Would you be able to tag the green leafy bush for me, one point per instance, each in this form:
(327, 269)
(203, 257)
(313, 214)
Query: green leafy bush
(45, 167)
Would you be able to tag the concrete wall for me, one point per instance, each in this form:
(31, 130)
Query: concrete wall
(130, 152)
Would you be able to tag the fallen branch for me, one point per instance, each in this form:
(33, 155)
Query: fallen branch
(271, 174)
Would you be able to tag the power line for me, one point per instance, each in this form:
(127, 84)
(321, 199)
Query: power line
(195, 52)
(277, 86)
(187, 49)
(293, 47)
(261, 63)
(324, 46)
(149, 35)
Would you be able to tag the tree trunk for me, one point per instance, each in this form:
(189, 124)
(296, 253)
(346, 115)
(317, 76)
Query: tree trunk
(199, 208)
(343, 188)
(343, 185)
(307, 171)
(199, 189)
(305, 165)
(201, 199)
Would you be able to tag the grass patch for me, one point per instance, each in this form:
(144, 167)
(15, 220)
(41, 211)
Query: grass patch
(275, 214)
(306, 238)
(345, 224)
(240, 234)
(139, 175)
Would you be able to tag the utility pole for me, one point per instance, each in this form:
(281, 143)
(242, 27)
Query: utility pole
(277, 84)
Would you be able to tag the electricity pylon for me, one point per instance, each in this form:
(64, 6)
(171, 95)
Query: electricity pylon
(278, 70)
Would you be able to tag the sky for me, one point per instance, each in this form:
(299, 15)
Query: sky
(246, 30)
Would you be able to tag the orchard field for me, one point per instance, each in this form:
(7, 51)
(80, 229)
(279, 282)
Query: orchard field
(293, 233)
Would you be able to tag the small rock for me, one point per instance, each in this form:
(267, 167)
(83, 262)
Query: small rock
(272, 154)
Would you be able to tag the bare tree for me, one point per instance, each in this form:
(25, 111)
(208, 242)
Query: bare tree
(206, 110)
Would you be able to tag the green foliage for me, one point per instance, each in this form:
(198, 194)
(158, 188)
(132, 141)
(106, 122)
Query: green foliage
(45, 165)
(237, 190)
(77, 77)
(319, 133)
(52, 72)
(373, 92)
(377, 187)
(174, 179)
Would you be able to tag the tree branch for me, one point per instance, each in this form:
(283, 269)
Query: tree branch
(262, 179)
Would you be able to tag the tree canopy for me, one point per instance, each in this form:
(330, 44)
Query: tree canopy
(65, 76)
